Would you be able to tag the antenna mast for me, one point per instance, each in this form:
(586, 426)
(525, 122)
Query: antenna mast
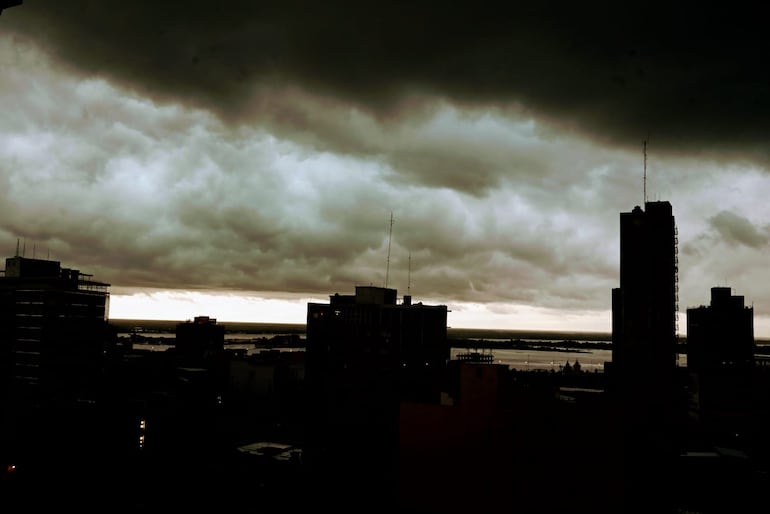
(409, 276)
(390, 236)
(645, 171)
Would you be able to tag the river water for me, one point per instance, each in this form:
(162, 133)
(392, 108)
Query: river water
(589, 359)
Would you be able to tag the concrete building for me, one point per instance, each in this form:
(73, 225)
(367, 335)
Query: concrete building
(365, 354)
(53, 332)
(720, 362)
(54, 339)
(643, 377)
(199, 341)
(644, 307)
(720, 335)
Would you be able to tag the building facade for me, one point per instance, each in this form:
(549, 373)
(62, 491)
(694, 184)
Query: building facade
(199, 341)
(366, 353)
(644, 307)
(53, 331)
(720, 362)
(644, 377)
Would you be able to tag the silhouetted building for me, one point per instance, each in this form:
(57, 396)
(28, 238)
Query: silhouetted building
(54, 336)
(499, 434)
(199, 341)
(201, 374)
(54, 328)
(644, 307)
(720, 335)
(643, 375)
(720, 361)
(366, 353)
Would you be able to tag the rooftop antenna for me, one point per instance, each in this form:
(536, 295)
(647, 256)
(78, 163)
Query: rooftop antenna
(390, 236)
(645, 170)
(409, 276)
(17, 247)
(24, 248)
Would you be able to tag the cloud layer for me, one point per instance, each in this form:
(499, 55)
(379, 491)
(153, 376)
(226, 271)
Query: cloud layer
(690, 77)
(260, 151)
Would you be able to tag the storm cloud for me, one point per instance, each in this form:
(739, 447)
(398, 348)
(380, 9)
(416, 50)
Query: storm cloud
(260, 148)
(689, 76)
(737, 229)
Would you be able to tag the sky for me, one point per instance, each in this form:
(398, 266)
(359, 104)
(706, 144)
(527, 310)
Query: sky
(240, 159)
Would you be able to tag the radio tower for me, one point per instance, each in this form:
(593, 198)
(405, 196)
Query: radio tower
(390, 236)
(645, 171)
(409, 276)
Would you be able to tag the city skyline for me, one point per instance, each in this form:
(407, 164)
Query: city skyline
(240, 163)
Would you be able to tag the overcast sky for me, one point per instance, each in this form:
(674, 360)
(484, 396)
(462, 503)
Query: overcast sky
(239, 159)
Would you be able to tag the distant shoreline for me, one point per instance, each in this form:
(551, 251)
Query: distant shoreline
(491, 335)
(128, 325)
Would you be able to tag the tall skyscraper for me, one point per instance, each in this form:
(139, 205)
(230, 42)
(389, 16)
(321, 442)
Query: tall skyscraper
(643, 372)
(644, 307)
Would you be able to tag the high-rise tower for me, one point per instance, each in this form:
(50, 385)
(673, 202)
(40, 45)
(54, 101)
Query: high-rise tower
(644, 307)
(643, 372)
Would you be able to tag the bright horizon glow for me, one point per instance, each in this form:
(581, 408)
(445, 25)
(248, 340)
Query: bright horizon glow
(185, 305)
(238, 308)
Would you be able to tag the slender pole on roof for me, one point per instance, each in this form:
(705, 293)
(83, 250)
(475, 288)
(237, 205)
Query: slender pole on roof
(390, 236)
(17, 247)
(409, 276)
(645, 171)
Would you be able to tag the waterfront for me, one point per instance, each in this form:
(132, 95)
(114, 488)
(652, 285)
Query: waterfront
(521, 350)
(522, 359)
(531, 360)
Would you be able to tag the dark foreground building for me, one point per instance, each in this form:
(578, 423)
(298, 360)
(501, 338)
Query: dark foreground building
(54, 328)
(199, 342)
(365, 354)
(720, 365)
(54, 341)
(643, 378)
(644, 307)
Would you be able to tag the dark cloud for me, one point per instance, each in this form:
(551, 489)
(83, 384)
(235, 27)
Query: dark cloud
(737, 229)
(690, 76)
(137, 169)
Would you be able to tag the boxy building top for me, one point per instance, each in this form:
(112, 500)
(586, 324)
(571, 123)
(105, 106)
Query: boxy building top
(41, 269)
(367, 295)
